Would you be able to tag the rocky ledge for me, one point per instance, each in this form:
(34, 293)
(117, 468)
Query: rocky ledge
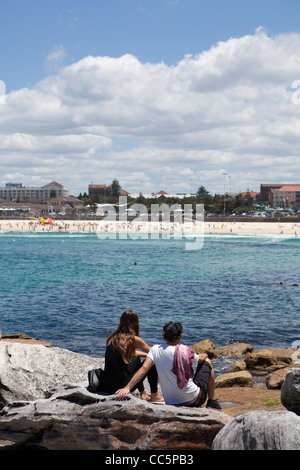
(45, 404)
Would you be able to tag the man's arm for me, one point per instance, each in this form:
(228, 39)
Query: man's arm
(123, 392)
(202, 357)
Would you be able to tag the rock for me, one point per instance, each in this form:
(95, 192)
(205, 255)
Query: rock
(290, 390)
(261, 359)
(283, 354)
(260, 430)
(23, 338)
(275, 379)
(235, 349)
(235, 379)
(205, 346)
(46, 405)
(74, 419)
(29, 371)
(238, 366)
(237, 400)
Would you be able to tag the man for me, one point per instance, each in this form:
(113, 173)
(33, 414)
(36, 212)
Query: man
(175, 365)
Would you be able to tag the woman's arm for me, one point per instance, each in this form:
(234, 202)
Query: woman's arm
(141, 344)
(123, 392)
(140, 353)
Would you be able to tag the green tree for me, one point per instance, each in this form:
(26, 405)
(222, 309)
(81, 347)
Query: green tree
(115, 188)
(203, 197)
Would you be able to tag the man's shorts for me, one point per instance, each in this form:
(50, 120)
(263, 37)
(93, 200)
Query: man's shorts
(201, 379)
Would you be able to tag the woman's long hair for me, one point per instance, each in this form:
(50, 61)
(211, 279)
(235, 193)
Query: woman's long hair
(123, 337)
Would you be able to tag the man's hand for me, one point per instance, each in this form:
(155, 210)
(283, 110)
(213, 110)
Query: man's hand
(202, 357)
(140, 373)
(122, 393)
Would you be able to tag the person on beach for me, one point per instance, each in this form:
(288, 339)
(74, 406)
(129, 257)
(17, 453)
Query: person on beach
(175, 365)
(124, 351)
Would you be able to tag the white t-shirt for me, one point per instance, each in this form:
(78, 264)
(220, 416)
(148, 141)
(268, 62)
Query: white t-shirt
(163, 357)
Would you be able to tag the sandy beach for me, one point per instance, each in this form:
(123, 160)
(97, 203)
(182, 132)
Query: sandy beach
(137, 226)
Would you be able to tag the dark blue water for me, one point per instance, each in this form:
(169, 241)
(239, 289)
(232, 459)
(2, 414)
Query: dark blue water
(70, 289)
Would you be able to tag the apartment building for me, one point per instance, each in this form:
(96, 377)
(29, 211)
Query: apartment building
(99, 190)
(19, 192)
(285, 196)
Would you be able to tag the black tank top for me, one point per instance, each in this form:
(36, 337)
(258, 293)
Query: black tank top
(117, 373)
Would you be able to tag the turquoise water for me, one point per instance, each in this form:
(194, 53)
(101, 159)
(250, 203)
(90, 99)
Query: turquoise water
(70, 289)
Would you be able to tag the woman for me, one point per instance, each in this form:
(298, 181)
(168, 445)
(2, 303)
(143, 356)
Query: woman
(124, 348)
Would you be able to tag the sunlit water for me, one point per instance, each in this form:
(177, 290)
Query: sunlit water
(70, 289)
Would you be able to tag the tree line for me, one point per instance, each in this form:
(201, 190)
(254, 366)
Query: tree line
(215, 204)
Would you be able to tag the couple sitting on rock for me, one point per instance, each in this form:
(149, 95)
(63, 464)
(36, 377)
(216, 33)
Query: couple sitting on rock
(170, 362)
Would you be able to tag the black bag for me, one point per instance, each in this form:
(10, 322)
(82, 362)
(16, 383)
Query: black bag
(96, 380)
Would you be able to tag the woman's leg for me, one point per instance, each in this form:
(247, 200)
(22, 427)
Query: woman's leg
(132, 368)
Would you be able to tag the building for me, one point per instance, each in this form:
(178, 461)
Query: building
(66, 205)
(252, 194)
(265, 190)
(162, 194)
(285, 196)
(297, 200)
(19, 192)
(268, 193)
(99, 191)
(14, 185)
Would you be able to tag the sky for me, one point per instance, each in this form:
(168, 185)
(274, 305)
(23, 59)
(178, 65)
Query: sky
(160, 94)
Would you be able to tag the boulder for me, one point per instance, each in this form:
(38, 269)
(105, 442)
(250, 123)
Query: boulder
(234, 379)
(275, 379)
(73, 418)
(29, 371)
(23, 338)
(290, 390)
(262, 359)
(205, 346)
(260, 430)
(46, 405)
(235, 349)
(238, 366)
(283, 354)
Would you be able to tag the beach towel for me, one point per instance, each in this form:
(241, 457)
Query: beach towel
(182, 364)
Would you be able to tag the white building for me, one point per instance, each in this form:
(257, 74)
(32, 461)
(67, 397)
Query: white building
(19, 192)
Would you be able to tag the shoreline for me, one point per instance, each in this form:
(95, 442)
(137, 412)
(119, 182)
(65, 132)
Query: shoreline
(136, 226)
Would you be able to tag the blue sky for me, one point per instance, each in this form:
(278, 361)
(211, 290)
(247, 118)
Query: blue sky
(44, 52)
(152, 30)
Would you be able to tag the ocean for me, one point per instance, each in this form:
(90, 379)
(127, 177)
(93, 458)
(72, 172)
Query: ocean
(71, 288)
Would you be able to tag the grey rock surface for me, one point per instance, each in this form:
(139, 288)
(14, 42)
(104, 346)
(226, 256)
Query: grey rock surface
(72, 418)
(290, 391)
(260, 430)
(28, 371)
(46, 405)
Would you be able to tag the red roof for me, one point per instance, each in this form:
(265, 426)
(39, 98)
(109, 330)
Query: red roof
(292, 188)
(249, 193)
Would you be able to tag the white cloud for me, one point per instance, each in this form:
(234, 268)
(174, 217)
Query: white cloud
(229, 107)
(55, 60)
